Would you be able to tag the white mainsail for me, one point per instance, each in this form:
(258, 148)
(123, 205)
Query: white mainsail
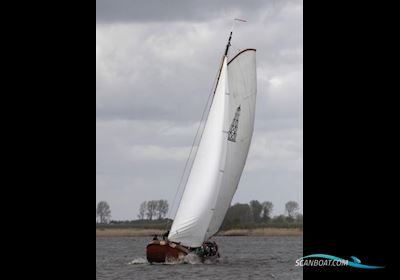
(221, 154)
(242, 82)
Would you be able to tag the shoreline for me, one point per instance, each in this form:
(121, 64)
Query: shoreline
(132, 232)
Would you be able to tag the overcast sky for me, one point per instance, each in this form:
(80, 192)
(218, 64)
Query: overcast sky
(155, 66)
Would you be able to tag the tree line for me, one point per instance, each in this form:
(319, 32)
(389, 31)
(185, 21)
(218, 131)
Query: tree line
(239, 215)
(259, 214)
(153, 209)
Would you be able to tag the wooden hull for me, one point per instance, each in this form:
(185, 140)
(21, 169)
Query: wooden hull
(158, 251)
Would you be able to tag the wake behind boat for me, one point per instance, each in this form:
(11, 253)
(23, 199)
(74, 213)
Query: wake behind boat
(218, 163)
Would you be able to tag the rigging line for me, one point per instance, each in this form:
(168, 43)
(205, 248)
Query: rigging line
(207, 106)
(212, 95)
(205, 121)
(204, 125)
(190, 153)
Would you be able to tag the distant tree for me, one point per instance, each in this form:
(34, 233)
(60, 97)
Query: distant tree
(103, 212)
(267, 207)
(151, 209)
(279, 220)
(291, 208)
(256, 209)
(299, 218)
(238, 215)
(142, 210)
(162, 208)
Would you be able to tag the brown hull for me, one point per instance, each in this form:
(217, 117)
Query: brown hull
(158, 251)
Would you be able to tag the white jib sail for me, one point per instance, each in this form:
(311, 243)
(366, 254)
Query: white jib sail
(195, 209)
(221, 155)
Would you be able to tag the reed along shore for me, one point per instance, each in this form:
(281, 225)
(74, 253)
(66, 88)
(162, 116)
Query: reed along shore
(126, 232)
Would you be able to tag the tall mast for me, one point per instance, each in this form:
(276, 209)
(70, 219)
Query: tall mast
(228, 45)
(230, 36)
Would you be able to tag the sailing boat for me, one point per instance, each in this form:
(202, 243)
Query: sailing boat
(218, 164)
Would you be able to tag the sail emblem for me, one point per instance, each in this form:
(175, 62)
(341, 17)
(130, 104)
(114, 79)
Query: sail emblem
(234, 126)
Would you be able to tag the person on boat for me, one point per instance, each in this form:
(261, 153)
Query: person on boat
(210, 248)
(155, 237)
(215, 246)
(200, 251)
(207, 250)
(165, 235)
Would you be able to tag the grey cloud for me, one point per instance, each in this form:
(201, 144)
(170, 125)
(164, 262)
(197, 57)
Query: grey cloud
(176, 10)
(147, 70)
(155, 67)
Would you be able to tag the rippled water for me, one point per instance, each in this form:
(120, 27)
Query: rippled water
(241, 258)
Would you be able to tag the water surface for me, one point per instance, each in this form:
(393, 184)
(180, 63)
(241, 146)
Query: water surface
(241, 258)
